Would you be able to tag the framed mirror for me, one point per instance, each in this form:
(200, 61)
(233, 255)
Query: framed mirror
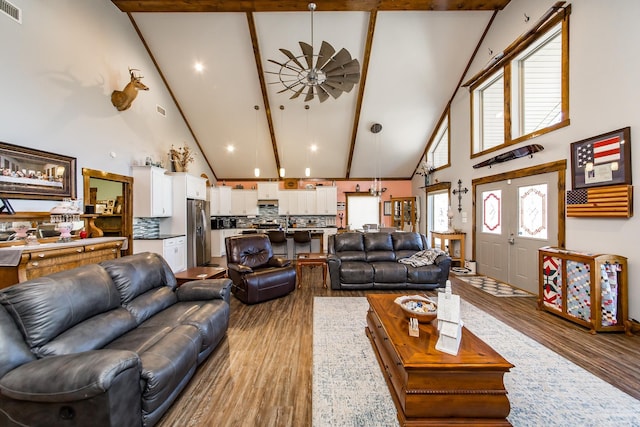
(117, 191)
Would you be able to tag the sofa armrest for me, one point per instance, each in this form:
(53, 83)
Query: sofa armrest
(279, 262)
(240, 268)
(197, 290)
(334, 263)
(444, 262)
(70, 377)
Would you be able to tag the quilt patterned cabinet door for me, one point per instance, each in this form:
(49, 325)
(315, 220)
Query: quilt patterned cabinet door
(587, 289)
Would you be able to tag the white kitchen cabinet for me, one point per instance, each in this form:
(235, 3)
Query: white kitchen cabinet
(287, 202)
(244, 202)
(327, 200)
(268, 191)
(196, 187)
(307, 204)
(297, 202)
(175, 252)
(172, 249)
(183, 189)
(218, 248)
(152, 192)
(220, 201)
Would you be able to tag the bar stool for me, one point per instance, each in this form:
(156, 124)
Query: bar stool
(301, 238)
(279, 244)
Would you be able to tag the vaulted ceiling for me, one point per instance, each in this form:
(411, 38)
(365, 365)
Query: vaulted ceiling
(412, 56)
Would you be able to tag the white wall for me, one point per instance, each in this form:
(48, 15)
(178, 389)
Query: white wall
(604, 96)
(58, 70)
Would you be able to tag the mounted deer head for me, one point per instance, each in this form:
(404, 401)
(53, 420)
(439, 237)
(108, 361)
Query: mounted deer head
(122, 99)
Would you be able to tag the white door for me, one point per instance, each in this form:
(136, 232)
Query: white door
(514, 218)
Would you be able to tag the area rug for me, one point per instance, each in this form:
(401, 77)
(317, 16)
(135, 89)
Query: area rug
(544, 388)
(493, 287)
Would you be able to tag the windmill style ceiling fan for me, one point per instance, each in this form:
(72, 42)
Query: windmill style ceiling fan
(331, 75)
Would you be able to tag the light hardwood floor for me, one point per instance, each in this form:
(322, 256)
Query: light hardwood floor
(260, 375)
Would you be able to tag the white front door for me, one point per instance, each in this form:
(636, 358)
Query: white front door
(514, 218)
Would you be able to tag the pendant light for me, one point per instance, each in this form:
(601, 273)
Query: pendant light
(256, 170)
(282, 171)
(307, 170)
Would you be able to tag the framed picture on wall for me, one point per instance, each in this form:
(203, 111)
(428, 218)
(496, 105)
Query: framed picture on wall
(26, 173)
(602, 160)
(387, 208)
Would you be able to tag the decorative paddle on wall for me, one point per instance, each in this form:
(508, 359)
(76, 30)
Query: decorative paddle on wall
(510, 155)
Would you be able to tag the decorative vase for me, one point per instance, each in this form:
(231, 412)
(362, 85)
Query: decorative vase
(178, 166)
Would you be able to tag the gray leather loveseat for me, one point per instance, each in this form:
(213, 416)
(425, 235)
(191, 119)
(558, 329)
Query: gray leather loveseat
(108, 344)
(370, 261)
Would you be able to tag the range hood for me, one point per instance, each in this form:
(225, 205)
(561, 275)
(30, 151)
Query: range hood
(268, 203)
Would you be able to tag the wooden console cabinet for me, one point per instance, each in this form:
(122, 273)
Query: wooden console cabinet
(22, 263)
(587, 289)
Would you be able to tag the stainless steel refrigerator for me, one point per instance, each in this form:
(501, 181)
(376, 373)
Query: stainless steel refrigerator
(198, 233)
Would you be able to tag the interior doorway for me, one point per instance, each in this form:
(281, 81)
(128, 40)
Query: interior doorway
(362, 208)
(514, 215)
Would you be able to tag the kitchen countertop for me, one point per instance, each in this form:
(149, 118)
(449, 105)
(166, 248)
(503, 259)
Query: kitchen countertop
(159, 237)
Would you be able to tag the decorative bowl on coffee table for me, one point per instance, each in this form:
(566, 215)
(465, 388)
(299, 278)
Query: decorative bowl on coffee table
(423, 309)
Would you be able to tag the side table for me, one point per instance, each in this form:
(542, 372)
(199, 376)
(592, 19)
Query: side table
(200, 273)
(312, 260)
(448, 238)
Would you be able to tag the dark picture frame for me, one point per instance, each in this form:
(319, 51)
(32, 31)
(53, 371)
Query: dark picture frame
(602, 160)
(387, 208)
(26, 173)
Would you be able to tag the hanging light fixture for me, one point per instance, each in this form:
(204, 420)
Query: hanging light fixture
(376, 189)
(256, 170)
(330, 75)
(282, 171)
(307, 170)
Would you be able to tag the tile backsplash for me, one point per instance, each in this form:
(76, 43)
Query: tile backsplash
(146, 228)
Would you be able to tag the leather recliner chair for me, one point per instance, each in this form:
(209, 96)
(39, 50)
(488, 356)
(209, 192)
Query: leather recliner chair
(256, 274)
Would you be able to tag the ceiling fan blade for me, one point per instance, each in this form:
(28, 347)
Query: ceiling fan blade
(309, 96)
(352, 67)
(338, 60)
(335, 93)
(342, 86)
(292, 57)
(307, 51)
(322, 94)
(347, 78)
(326, 51)
(298, 92)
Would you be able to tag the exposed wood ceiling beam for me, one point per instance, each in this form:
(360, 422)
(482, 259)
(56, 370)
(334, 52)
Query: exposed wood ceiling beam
(263, 87)
(455, 91)
(363, 79)
(171, 94)
(302, 6)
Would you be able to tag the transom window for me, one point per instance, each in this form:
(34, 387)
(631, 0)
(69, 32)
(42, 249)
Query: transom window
(525, 92)
(438, 150)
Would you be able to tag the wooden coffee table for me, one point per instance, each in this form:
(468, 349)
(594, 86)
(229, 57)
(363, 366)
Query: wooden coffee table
(432, 388)
(199, 273)
(312, 260)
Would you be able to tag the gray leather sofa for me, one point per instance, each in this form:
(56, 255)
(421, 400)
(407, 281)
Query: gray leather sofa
(108, 344)
(370, 261)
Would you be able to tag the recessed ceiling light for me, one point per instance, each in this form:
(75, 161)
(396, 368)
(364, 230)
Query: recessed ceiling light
(230, 148)
(198, 67)
(314, 147)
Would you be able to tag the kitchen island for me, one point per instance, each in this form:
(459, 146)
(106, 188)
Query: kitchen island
(319, 237)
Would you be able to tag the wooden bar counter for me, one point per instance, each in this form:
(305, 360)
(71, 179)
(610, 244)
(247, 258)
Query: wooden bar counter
(22, 262)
